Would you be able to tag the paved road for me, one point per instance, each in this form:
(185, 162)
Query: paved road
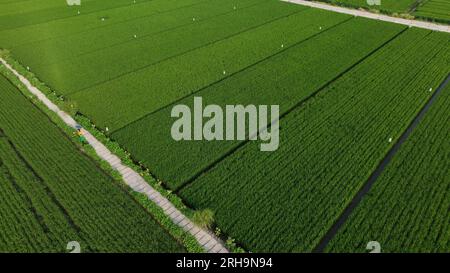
(366, 14)
(207, 240)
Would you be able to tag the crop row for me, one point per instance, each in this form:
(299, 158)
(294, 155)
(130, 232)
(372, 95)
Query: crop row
(180, 76)
(11, 21)
(112, 62)
(286, 200)
(71, 47)
(18, 220)
(437, 9)
(407, 210)
(62, 182)
(83, 22)
(31, 192)
(9, 7)
(12, 7)
(284, 79)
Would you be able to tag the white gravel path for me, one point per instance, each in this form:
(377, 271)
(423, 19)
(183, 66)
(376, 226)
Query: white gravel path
(206, 239)
(370, 15)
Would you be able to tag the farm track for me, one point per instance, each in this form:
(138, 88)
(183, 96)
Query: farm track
(230, 75)
(297, 105)
(366, 14)
(206, 239)
(181, 54)
(379, 170)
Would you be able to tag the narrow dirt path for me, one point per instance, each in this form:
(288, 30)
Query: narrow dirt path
(379, 170)
(375, 16)
(207, 240)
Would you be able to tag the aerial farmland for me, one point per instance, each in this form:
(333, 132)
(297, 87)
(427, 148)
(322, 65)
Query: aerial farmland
(262, 126)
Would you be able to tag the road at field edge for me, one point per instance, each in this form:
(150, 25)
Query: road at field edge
(375, 16)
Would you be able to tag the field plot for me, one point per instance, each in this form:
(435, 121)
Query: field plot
(187, 73)
(57, 29)
(27, 13)
(347, 88)
(52, 194)
(286, 200)
(289, 77)
(437, 9)
(79, 44)
(74, 74)
(407, 209)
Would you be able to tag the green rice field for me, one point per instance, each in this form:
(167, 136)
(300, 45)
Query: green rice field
(348, 88)
(52, 194)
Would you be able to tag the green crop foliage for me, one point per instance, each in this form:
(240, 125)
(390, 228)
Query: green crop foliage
(407, 208)
(86, 72)
(297, 72)
(70, 107)
(344, 85)
(4, 53)
(53, 194)
(180, 76)
(85, 21)
(85, 44)
(33, 13)
(438, 10)
(286, 200)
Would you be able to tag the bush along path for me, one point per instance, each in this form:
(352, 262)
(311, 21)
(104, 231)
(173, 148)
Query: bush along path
(207, 240)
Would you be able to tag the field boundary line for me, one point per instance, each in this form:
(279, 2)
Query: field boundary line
(379, 170)
(375, 16)
(71, 16)
(209, 242)
(50, 194)
(209, 43)
(295, 106)
(243, 69)
(28, 202)
(46, 188)
(145, 36)
(99, 27)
